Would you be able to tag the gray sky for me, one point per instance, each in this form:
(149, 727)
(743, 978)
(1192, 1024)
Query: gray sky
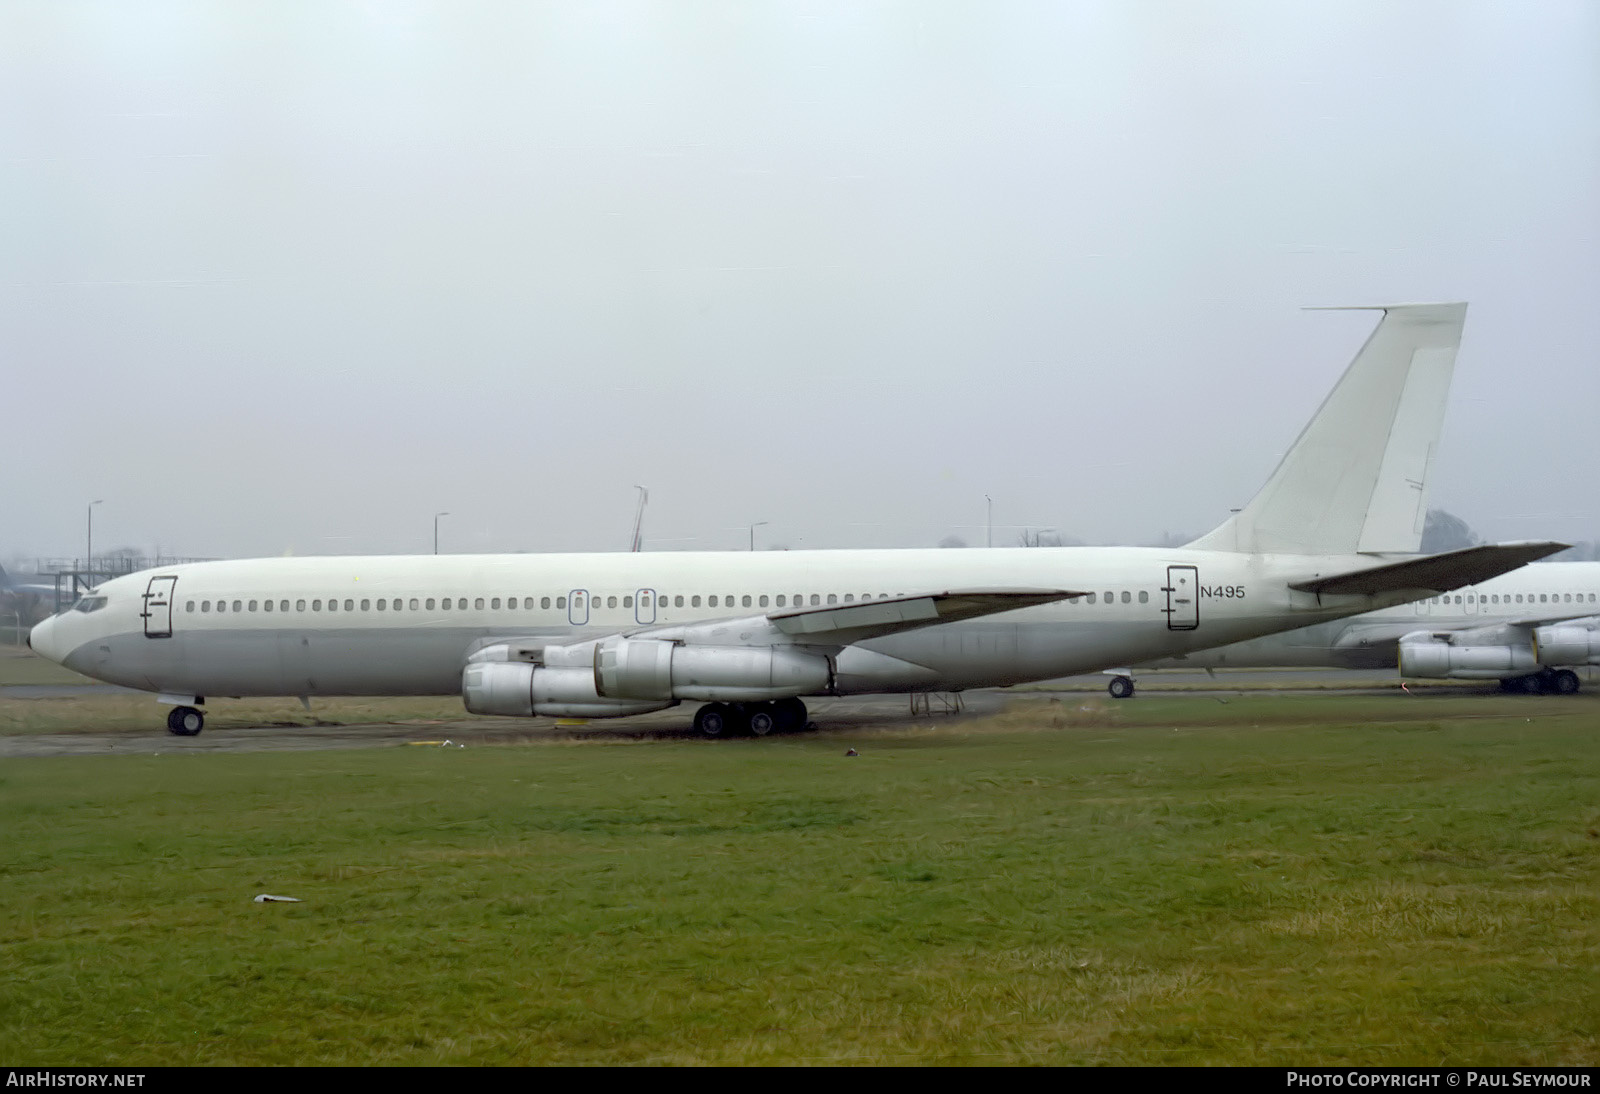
(294, 277)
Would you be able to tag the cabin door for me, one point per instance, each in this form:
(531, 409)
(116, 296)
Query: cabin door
(158, 607)
(1183, 598)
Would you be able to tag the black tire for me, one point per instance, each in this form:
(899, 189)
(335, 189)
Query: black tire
(763, 719)
(185, 722)
(791, 715)
(1565, 682)
(1121, 687)
(713, 720)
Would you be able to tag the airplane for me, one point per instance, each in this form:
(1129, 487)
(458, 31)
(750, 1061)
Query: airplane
(8, 584)
(750, 635)
(1526, 629)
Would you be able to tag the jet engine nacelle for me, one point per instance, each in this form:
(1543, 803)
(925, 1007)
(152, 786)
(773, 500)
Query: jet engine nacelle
(649, 668)
(1425, 657)
(525, 690)
(1567, 645)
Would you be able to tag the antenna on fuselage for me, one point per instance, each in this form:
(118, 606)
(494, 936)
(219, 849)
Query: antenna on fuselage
(638, 520)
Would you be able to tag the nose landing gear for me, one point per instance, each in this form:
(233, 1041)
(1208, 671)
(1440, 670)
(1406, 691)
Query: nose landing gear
(185, 722)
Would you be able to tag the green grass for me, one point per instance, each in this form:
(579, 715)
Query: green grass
(1272, 880)
(19, 665)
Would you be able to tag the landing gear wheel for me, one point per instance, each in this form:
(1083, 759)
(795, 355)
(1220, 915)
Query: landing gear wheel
(1121, 687)
(791, 714)
(185, 722)
(1564, 682)
(763, 719)
(711, 721)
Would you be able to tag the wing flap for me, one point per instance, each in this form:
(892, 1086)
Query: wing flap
(1435, 573)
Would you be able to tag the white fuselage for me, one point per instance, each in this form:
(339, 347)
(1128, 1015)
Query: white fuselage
(1545, 592)
(405, 625)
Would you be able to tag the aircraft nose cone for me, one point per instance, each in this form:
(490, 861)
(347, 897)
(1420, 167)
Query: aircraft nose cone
(39, 640)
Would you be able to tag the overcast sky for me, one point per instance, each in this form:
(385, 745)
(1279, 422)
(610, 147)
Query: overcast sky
(281, 277)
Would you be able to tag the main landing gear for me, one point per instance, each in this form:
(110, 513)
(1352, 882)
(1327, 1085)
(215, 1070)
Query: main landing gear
(1557, 682)
(718, 720)
(185, 722)
(1121, 687)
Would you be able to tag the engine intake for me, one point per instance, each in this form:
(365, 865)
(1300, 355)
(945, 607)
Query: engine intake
(1567, 645)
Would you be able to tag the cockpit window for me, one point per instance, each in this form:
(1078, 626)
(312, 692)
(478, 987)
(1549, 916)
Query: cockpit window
(89, 604)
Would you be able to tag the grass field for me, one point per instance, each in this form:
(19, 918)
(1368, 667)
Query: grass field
(1375, 880)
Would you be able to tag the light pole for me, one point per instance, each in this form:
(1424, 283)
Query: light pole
(988, 528)
(436, 517)
(753, 528)
(88, 546)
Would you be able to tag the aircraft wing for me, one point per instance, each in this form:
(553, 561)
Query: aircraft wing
(842, 624)
(1438, 573)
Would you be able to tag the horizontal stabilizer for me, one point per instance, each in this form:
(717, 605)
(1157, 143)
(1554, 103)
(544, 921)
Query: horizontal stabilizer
(871, 618)
(1438, 573)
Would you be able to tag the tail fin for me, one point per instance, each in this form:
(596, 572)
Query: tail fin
(1356, 479)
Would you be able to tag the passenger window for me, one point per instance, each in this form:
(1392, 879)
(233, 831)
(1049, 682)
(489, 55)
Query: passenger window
(745, 600)
(712, 601)
(611, 602)
(1144, 597)
(266, 605)
(849, 598)
(189, 607)
(252, 605)
(677, 601)
(299, 605)
(544, 602)
(780, 600)
(1111, 597)
(236, 605)
(1541, 598)
(478, 603)
(627, 602)
(1092, 597)
(1125, 597)
(1567, 599)
(205, 605)
(833, 598)
(561, 602)
(763, 601)
(815, 599)
(694, 602)
(495, 603)
(381, 607)
(366, 605)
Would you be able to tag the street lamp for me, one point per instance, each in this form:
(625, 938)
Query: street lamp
(753, 528)
(988, 529)
(436, 517)
(88, 547)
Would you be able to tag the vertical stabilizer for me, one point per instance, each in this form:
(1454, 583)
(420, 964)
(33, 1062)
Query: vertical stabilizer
(1356, 479)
